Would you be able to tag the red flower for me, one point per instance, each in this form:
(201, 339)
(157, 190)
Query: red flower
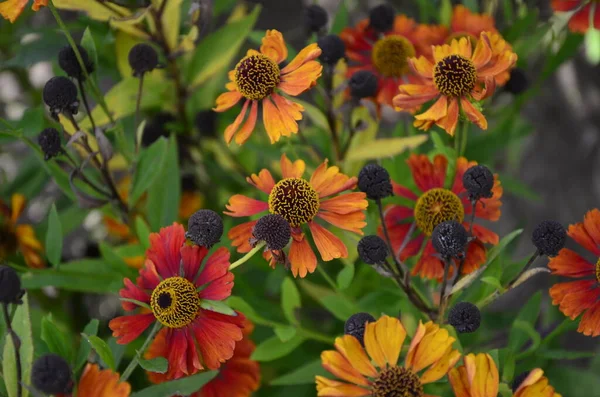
(581, 296)
(433, 204)
(580, 21)
(179, 291)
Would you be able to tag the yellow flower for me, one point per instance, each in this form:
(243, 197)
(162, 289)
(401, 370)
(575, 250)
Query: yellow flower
(536, 385)
(376, 371)
(11, 9)
(478, 377)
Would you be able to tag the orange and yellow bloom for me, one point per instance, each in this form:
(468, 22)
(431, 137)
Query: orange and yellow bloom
(374, 369)
(435, 203)
(300, 202)
(536, 385)
(11, 9)
(477, 377)
(18, 237)
(582, 295)
(457, 76)
(95, 382)
(585, 12)
(260, 78)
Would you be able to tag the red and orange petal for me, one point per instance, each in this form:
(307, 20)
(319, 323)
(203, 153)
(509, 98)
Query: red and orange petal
(95, 382)
(27, 242)
(478, 377)
(11, 9)
(536, 385)
(467, 23)
(580, 20)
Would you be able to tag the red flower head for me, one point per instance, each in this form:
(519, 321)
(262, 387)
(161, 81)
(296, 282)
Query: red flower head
(581, 296)
(433, 204)
(179, 292)
(299, 202)
(585, 11)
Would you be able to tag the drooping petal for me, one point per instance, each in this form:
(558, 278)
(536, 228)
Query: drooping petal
(384, 339)
(185, 359)
(561, 291)
(352, 350)
(164, 249)
(412, 96)
(291, 170)
(248, 127)
(273, 121)
(428, 175)
(305, 77)
(308, 53)
(473, 113)
(240, 205)
(240, 236)
(132, 291)
(590, 322)
(345, 203)
(337, 364)
(263, 181)
(233, 127)
(474, 257)
(328, 181)
(483, 373)
(333, 388)
(329, 245)
(450, 121)
(436, 112)
(570, 264)
(289, 112)
(127, 328)
(398, 229)
(301, 256)
(216, 335)
(441, 367)
(431, 348)
(191, 258)
(95, 382)
(274, 46)
(484, 234)
(459, 382)
(227, 100)
(353, 222)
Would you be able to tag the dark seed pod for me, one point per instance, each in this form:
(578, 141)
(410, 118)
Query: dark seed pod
(478, 181)
(363, 84)
(355, 326)
(274, 230)
(549, 237)
(518, 82)
(372, 250)
(315, 18)
(205, 228)
(142, 58)
(381, 17)
(51, 374)
(449, 239)
(518, 380)
(10, 286)
(374, 180)
(67, 60)
(60, 94)
(465, 317)
(49, 141)
(332, 49)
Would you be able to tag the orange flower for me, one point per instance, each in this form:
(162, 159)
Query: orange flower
(376, 370)
(458, 76)
(478, 377)
(299, 202)
(581, 296)
(584, 13)
(256, 78)
(387, 56)
(14, 237)
(435, 203)
(536, 385)
(95, 382)
(469, 24)
(11, 9)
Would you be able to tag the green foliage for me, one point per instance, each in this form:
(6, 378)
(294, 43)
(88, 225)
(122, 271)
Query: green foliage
(101, 349)
(21, 325)
(54, 237)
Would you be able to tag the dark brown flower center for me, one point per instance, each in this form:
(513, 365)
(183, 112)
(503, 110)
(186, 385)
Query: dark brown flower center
(390, 55)
(256, 76)
(455, 75)
(295, 200)
(175, 302)
(397, 382)
(436, 206)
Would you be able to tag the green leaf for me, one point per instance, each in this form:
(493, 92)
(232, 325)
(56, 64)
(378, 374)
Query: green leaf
(290, 300)
(592, 44)
(72, 280)
(531, 333)
(559, 354)
(285, 333)
(345, 277)
(102, 349)
(301, 376)
(84, 348)
(54, 241)
(157, 364)
(505, 390)
(446, 12)
(142, 231)
(340, 307)
(315, 115)
(494, 282)
(87, 42)
(113, 260)
(528, 315)
(273, 348)
(508, 365)
(216, 52)
(57, 340)
(21, 324)
(148, 169)
(385, 147)
(183, 386)
(218, 307)
(243, 307)
(341, 19)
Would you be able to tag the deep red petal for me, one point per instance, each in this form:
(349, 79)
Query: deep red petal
(132, 291)
(570, 264)
(402, 191)
(192, 257)
(590, 322)
(475, 257)
(127, 328)
(164, 249)
(218, 289)
(149, 278)
(429, 266)
(176, 341)
(428, 175)
(216, 335)
(216, 267)
(484, 234)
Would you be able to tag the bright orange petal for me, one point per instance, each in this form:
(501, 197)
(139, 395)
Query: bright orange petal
(412, 96)
(437, 111)
(329, 180)
(289, 112)
(441, 367)
(335, 363)
(240, 205)
(11, 9)
(38, 3)
(450, 122)
(101, 383)
(291, 170)
(384, 339)
(296, 82)
(591, 222)
(483, 373)
(227, 100)
(579, 233)
(459, 382)
(240, 236)
(351, 348)
(246, 130)
(590, 322)
(273, 121)
(483, 51)
(329, 245)
(570, 264)
(301, 256)
(17, 206)
(308, 53)
(333, 388)
(233, 127)
(473, 113)
(431, 347)
(273, 46)
(263, 181)
(353, 222)
(345, 203)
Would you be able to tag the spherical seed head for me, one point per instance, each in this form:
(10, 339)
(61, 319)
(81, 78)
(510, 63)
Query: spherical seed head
(49, 141)
(205, 228)
(465, 317)
(518, 82)
(274, 230)
(363, 84)
(374, 180)
(10, 285)
(60, 93)
(449, 239)
(51, 374)
(355, 325)
(518, 380)
(315, 18)
(332, 49)
(478, 181)
(67, 60)
(142, 58)
(381, 17)
(549, 237)
(372, 250)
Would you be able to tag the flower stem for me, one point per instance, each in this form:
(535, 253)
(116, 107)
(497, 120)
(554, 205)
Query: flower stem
(16, 344)
(532, 259)
(328, 78)
(85, 104)
(329, 280)
(443, 298)
(249, 255)
(136, 359)
(137, 103)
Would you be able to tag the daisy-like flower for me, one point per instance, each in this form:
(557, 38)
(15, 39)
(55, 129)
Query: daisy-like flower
(259, 77)
(238, 377)
(374, 370)
(477, 377)
(299, 202)
(11, 9)
(180, 292)
(536, 385)
(585, 11)
(387, 56)
(582, 295)
(97, 382)
(18, 237)
(434, 203)
(457, 76)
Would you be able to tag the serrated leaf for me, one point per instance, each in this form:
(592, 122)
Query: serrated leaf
(184, 386)
(290, 300)
(285, 333)
(142, 231)
(273, 348)
(218, 307)
(54, 241)
(301, 376)
(21, 324)
(148, 169)
(345, 277)
(102, 349)
(84, 348)
(385, 147)
(57, 340)
(157, 364)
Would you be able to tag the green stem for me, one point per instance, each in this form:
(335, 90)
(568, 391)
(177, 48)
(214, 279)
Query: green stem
(249, 255)
(329, 280)
(136, 359)
(464, 138)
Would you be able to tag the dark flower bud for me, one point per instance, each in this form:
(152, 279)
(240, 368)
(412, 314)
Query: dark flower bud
(51, 374)
(363, 84)
(465, 317)
(372, 250)
(60, 94)
(156, 128)
(518, 380)
(381, 17)
(206, 123)
(332, 49)
(142, 58)
(518, 82)
(355, 326)
(205, 228)
(315, 18)
(478, 181)
(449, 239)
(549, 237)
(49, 140)
(374, 180)
(10, 286)
(67, 60)
(274, 230)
